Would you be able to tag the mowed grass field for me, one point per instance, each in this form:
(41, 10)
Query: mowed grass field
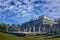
(5, 36)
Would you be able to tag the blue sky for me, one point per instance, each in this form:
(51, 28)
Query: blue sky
(20, 11)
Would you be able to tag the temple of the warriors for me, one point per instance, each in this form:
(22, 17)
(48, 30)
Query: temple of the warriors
(41, 25)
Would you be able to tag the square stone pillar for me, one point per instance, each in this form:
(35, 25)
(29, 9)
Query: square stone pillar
(33, 28)
(50, 29)
(29, 29)
(26, 29)
(39, 30)
(44, 29)
(19, 29)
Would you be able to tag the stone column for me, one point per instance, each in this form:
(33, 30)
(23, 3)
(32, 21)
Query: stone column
(33, 28)
(19, 29)
(39, 29)
(7, 30)
(44, 29)
(29, 29)
(26, 29)
(50, 29)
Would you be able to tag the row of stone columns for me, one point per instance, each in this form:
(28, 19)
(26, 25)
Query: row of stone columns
(31, 29)
(44, 29)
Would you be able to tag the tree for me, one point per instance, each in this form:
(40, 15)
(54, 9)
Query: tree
(4, 27)
(18, 25)
(0, 27)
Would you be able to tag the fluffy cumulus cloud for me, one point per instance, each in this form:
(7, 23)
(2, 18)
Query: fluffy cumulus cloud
(19, 11)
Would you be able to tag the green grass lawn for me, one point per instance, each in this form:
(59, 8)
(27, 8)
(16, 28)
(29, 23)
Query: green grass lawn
(5, 36)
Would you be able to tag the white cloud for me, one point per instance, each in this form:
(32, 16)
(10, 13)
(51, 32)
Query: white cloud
(27, 9)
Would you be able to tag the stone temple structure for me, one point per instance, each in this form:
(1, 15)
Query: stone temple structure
(41, 25)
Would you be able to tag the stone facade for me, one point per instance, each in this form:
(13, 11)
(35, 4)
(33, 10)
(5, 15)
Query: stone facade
(42, 25)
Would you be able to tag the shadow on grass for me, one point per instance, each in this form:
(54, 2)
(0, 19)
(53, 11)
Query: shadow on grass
(43, 35)
(46, 35)
(18, 34)
(53, 37)
(56, 37)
